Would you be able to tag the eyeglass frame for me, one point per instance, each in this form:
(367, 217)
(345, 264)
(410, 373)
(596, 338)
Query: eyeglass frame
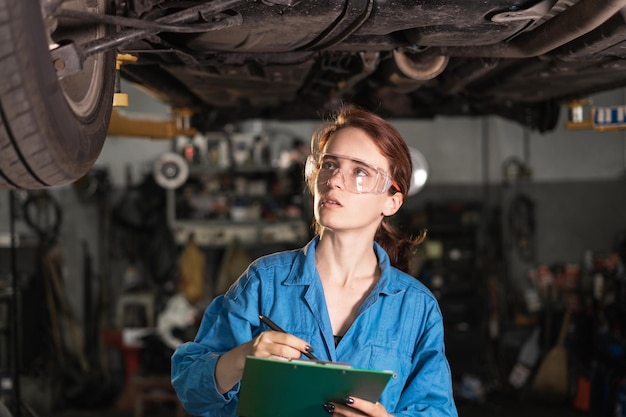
(312, 167)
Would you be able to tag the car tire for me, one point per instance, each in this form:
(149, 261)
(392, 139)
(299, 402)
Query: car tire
(51, 130)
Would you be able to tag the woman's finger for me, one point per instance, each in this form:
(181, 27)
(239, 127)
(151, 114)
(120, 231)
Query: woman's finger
(353, 407)
(272, 343)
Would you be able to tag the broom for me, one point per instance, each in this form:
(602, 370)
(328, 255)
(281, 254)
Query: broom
(551, 382)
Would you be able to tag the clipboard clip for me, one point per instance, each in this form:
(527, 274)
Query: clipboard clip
(320, 362)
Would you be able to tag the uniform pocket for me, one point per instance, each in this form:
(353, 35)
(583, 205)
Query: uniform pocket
(397, 361)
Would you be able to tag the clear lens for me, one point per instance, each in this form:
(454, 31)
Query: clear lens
(358, 176)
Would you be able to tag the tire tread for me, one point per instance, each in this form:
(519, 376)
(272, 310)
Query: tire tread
(37, 150)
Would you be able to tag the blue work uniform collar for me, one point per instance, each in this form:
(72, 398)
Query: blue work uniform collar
(304, 272)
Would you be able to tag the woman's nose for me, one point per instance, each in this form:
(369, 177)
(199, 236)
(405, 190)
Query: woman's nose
(336, 180)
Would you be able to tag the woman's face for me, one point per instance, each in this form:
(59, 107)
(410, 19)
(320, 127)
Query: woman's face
(336, 207)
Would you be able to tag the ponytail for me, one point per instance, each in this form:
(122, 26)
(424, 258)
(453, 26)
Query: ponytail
(399, 246)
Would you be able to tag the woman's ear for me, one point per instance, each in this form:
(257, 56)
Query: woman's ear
(393, 204)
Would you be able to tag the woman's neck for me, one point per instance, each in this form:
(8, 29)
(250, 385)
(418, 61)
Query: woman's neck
(348, 271)
(344, 260)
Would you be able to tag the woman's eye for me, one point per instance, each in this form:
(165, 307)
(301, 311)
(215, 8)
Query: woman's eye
(328, 165)
(361, 172)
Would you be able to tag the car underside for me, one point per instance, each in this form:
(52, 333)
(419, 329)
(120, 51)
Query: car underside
(228, 60)
(290, 59)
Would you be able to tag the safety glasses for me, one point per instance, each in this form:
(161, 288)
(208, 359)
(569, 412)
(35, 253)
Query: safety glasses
(357, 176)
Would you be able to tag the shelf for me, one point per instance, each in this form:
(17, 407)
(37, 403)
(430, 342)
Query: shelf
(254, 204)
(21, 240)
(222, 233)
(235, 169)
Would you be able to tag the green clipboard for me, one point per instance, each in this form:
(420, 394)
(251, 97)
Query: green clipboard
(298, 388)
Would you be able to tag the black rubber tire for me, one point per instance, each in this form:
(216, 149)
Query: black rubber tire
(51, 130)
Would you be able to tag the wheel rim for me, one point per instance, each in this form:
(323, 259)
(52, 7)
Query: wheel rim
(82, 90)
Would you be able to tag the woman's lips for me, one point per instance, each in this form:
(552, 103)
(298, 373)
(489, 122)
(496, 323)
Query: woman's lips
(330, 202)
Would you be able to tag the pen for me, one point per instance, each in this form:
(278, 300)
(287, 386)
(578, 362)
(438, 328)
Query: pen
(277, 328)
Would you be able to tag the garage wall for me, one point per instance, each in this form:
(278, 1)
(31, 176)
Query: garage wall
(458, 150)
(578, 181)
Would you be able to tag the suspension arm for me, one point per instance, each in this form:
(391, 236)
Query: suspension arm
(68, 59)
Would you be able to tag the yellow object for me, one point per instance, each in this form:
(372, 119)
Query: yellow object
(121, 125)
(234, 263)
(120, 100)
(192, 263)
(122, 59)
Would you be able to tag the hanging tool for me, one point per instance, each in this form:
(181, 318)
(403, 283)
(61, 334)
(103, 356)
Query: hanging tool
(43, 213)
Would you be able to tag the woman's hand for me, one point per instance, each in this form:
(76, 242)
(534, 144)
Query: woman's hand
(353, 407)
(277, 344)
(269, 344)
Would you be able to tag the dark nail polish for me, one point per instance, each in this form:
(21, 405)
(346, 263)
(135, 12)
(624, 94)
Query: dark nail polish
(329, 407)
(348, 400)
(308, 348)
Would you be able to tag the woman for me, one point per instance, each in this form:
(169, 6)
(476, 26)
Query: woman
(339, 296)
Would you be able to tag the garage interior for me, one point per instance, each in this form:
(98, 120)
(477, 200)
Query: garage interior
(525, 252)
